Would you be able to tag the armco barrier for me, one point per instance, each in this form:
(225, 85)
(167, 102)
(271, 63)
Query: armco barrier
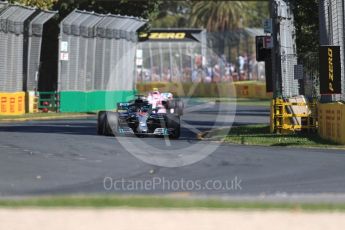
(255, 90)
(12, 103)
(331, 119)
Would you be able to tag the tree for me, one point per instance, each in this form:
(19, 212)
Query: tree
(307, 26)
(147, 9)
(217, 16)
(41, 4)
(173, 14)
(256, 12)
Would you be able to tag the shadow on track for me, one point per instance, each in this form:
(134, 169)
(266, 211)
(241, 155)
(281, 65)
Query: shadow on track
(193, 119)
(63, 127)
(73, 127)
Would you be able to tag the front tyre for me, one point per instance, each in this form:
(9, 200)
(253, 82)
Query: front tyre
(179, 107)
(174, 123)
(112, 123)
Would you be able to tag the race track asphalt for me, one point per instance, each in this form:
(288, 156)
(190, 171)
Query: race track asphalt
(67, 157)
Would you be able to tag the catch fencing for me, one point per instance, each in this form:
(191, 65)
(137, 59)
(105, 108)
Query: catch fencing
(35, 36)
(287, 50)
(207, 57)
(311, 82)
(21, 30)
(3, 5)
(13, 47)
(331, 18)
(97, 60)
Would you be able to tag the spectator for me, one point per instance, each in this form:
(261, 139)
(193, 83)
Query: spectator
(241, 63)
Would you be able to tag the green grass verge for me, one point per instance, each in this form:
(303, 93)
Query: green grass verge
(238, 101)
(40, 115)
(260, 135)
(159, 202)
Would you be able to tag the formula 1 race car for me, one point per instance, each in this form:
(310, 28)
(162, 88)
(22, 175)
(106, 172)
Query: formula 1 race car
(141, 117)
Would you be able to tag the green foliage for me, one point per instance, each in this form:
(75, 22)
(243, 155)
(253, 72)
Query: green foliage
(307, 26)
(217, 16)
(260, 135)
(147, 9)
(161, 202)
(172, 14)
(41, 4)
(140, 8)
(213, 15)
(170, 21)
(255, 12)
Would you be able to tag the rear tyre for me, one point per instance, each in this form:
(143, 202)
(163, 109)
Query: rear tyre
(101, 123)
(174, 123)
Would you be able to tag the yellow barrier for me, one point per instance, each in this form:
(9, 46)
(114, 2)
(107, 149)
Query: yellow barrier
(32, 102)
(332, 122)
(293, 114)
(255, 90)
(12, 103)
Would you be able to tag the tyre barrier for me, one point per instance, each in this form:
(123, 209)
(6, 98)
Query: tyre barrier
(32, 102)
(12, 103)
(331, 118)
